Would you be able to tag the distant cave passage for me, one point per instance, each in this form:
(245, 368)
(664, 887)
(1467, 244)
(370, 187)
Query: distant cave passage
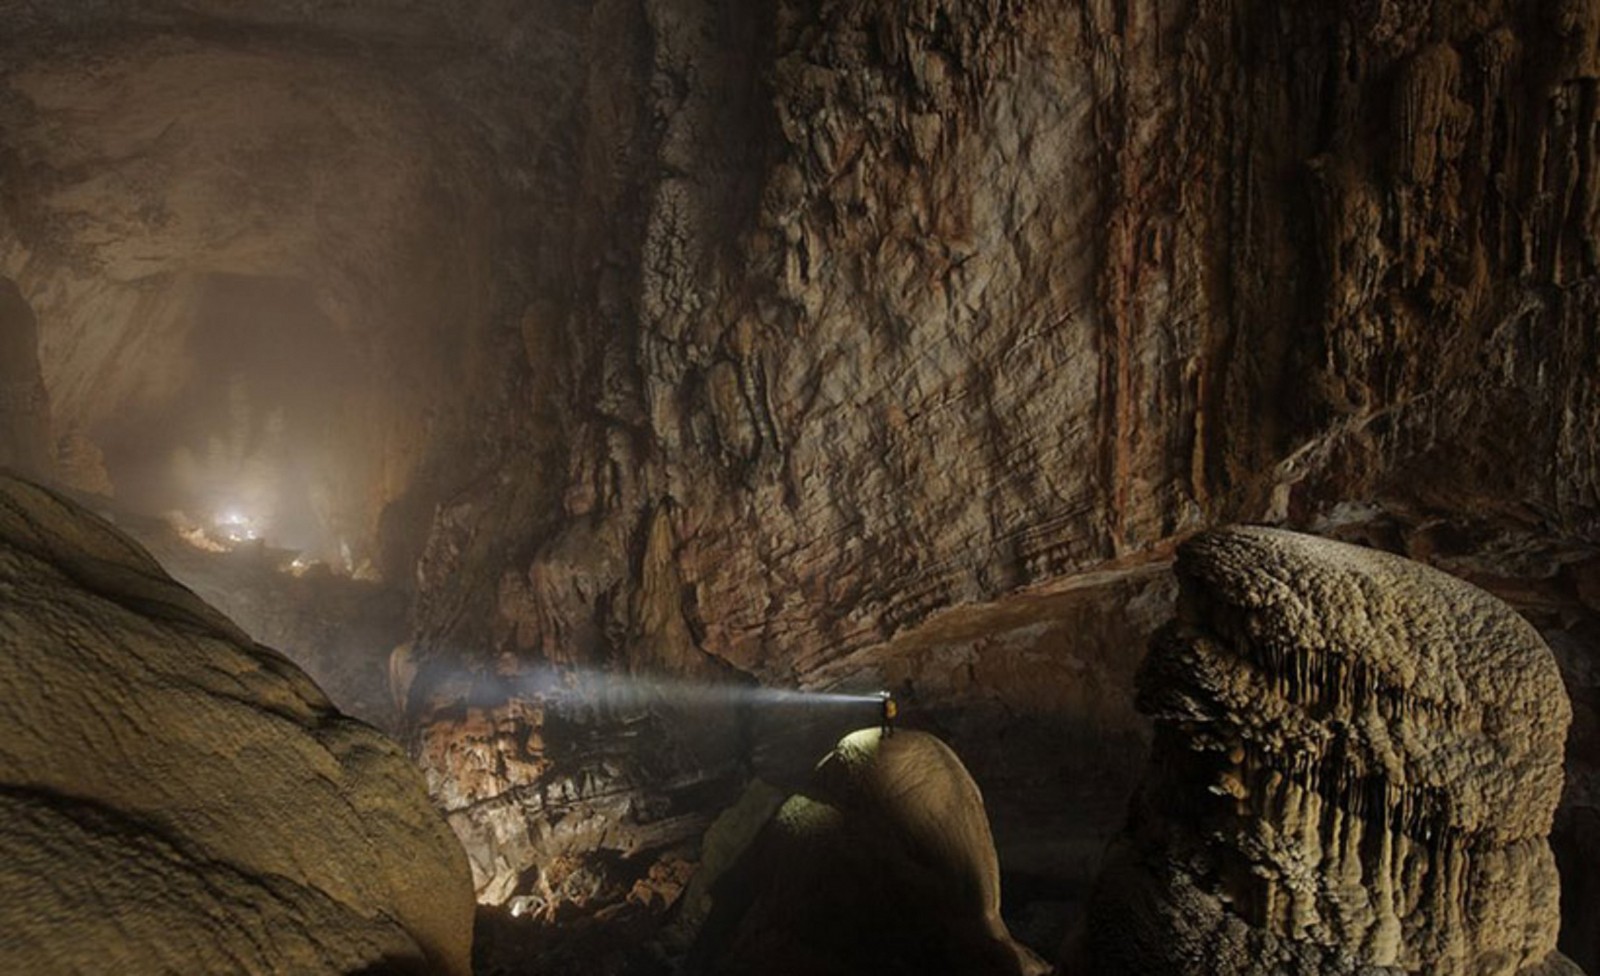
(256, 440)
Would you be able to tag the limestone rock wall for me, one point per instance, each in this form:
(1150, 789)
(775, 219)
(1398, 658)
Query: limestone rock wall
(920, 304)
(816, 320)
(1356, 768)
(259, 260)
(966, 296)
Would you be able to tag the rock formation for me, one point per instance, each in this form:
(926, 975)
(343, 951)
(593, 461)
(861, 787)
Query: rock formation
(176, 798)
(692, 335)
(914, 305)
(884, 864)
(24, 403)
(1356, 766)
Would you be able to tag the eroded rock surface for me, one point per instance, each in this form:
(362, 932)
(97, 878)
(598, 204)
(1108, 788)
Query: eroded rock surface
(1356, 766)
(885, 864)
(562, 785)
(24, 403)
(762, 334)
(917, 304)
(177, 798)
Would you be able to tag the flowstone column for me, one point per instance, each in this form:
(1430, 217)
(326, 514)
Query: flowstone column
(1356, 765)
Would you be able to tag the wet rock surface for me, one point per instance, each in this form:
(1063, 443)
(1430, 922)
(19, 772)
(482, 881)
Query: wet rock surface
(1356, 767)
(179, 798)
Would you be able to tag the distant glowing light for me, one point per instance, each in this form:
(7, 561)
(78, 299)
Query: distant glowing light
(236, 527)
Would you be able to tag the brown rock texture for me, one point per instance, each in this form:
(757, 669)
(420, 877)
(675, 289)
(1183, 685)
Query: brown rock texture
(24, 403)
(921, 304)
(1356, 767)
(884, 864)
(179, 799)
(233, 237)
(699, 336)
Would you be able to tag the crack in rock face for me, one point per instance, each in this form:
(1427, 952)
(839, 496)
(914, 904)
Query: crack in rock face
(1356, 766)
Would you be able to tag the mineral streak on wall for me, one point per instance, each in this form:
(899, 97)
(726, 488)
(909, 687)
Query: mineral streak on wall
(1357, 763)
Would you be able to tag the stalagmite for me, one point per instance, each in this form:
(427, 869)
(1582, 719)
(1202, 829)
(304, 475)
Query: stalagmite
(1356, 767)
(883, 864)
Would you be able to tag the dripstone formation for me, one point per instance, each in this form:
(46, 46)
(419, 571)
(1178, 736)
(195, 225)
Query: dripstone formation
(175, 798)
(692, 337)
(1356, 765)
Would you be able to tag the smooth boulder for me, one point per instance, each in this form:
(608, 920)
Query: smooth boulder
(175, 798)
(884, 864)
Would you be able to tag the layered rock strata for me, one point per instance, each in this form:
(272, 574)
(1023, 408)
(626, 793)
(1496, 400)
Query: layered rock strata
(917, 304)
(177, 798)
(564, 786)
(1356, 765)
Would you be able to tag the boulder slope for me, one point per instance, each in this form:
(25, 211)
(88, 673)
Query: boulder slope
(175, 798)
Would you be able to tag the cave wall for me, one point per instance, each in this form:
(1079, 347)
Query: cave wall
(175, 185)
(927, 303)
(806, 327)
(912, 306)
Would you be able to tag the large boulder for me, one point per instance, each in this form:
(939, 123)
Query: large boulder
(883, 865)
(1356, 766)
(176, 798)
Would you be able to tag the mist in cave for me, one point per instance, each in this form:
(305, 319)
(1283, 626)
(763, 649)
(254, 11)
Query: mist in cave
(248, 446)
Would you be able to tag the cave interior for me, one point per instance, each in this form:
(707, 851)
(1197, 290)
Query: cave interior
(607, 399)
